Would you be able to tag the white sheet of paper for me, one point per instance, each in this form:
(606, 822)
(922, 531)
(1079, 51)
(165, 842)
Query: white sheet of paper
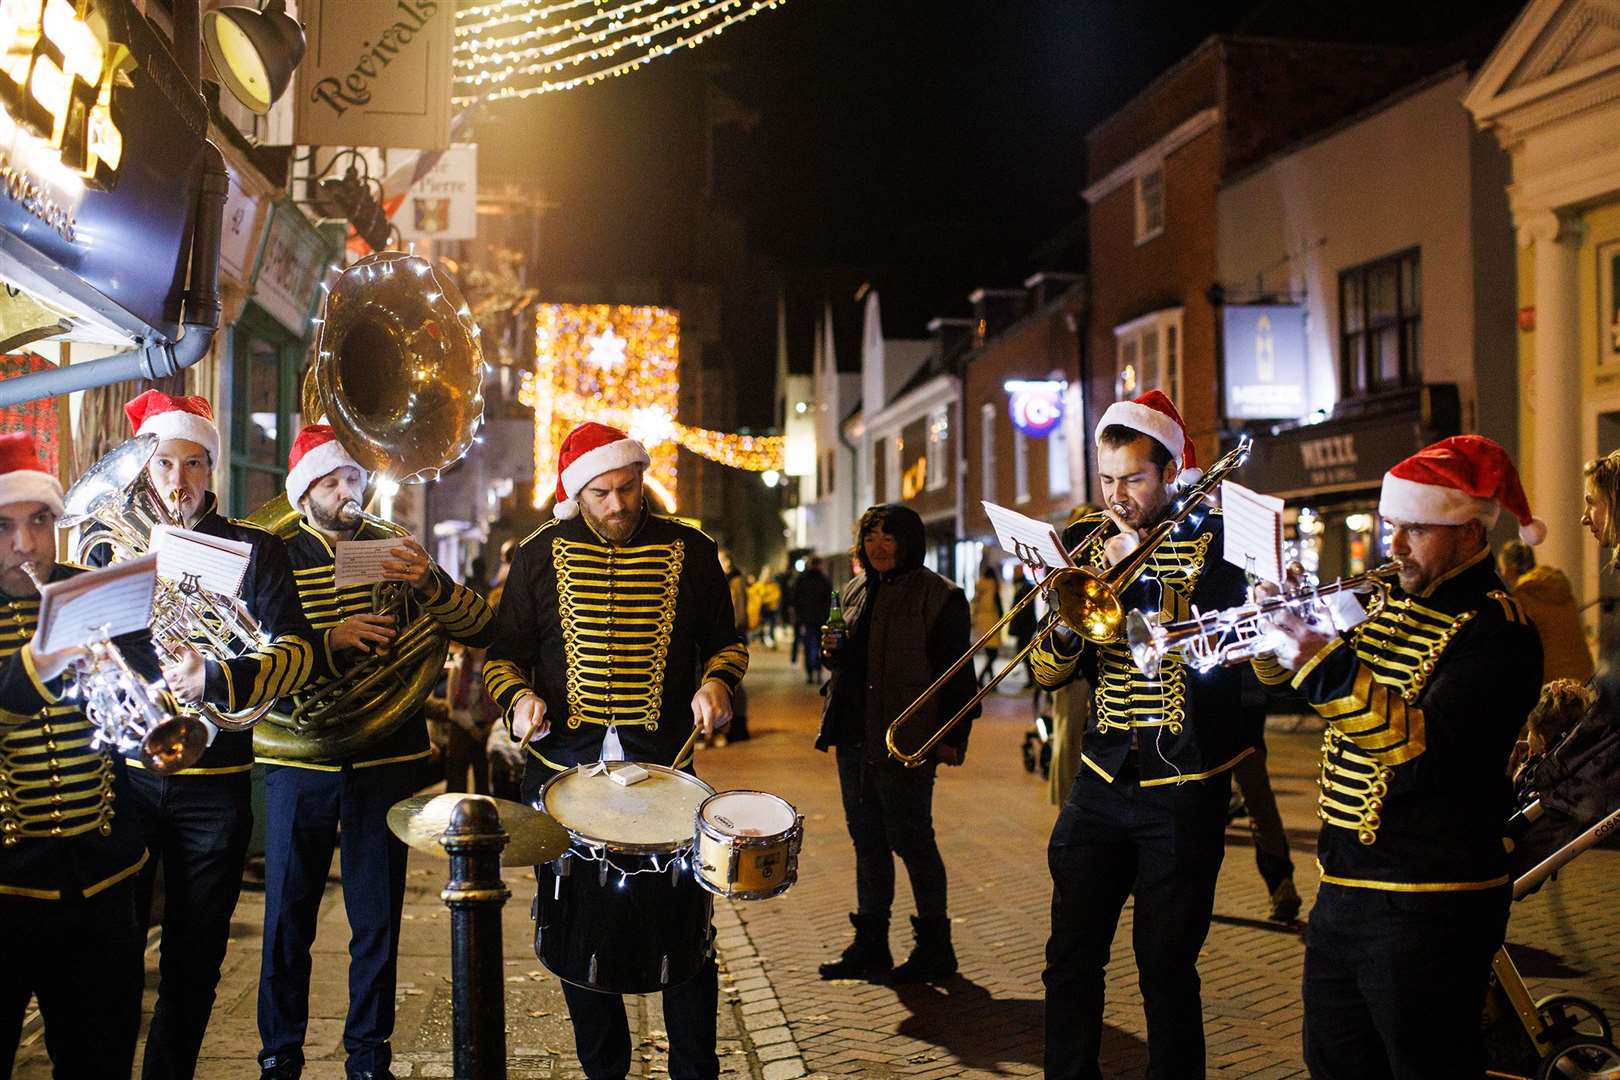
(1253, 531)
(1033, 542)
(219, 564)
(103, 603)
(359, 562)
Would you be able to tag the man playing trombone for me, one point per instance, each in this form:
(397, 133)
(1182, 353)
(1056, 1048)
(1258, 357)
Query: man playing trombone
(197, 822)
(1146, 815)
(69, 930)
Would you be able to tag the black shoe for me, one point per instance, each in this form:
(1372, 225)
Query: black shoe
(283, 1067)
(1285, 902)
(867, 957)
(932, 958)
(384, 1075)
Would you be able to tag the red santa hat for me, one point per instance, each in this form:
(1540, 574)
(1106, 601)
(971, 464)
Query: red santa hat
(1457, 480)
(1155, 415)
(315, 453)
(23, 478)
(587, 452)
(157, 413)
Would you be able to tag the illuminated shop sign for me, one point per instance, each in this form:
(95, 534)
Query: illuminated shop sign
(1265, 361)
(1036, 405)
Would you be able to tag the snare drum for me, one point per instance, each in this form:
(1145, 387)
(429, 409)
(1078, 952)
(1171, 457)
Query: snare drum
(748, 844)
(621, 911)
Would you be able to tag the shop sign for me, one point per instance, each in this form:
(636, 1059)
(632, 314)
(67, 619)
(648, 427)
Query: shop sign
(1349, 454)
(1035, 405)
(443, 204)
(294, 262)
(100, 135)
(239, 229)
(1265, 361)
(375, 74)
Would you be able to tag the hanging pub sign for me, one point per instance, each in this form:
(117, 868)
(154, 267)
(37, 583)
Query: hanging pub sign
(100, 139)
(375, 74)
(1265, 361)
(443, 202)
(1035, 405)
(294, 262)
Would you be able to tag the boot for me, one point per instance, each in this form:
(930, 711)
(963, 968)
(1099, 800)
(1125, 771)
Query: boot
(868, 955)
(932, 958)
(1285, 901)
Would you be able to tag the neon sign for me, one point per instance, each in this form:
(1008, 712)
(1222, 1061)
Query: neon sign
(1036, 405)
(57, 81)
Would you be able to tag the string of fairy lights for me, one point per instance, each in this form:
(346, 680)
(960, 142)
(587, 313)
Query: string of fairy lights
(620, 364)
(513, 49)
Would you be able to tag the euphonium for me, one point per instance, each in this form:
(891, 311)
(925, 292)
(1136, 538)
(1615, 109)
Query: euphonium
(117, 494)
(399, 375)
(1238, 634)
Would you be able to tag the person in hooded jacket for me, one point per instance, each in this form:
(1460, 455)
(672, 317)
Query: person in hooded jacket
(906, 626)
(1545, 594)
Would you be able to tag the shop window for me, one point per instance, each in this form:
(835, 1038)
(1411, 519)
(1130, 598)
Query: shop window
(1149, 204)
(265, 415)
(987, 452)
(891, 468)
(1058, 479)
(939, 433)
(1020, 467)
(1147, 355)
(1380, 319)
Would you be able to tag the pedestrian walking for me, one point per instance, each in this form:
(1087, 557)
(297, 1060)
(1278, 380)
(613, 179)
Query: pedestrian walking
(987, 612)
(811, 601)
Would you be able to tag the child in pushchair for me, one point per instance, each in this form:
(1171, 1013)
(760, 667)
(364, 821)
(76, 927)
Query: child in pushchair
(1568, 800)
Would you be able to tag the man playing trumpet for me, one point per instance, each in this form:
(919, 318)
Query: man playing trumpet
(1146, 816)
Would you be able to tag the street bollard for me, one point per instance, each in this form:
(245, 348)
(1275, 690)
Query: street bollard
(475, 895)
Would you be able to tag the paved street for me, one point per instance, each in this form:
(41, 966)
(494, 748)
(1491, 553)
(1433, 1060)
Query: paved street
(780, 1021)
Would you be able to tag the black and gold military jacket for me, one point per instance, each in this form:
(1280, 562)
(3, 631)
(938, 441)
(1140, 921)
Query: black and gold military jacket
(293, 653)
(460, 612)
(61, 836)
(1423, 702)
(1185, 725)
(619, 634)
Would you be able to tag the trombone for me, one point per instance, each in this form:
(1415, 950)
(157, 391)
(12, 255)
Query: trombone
(1085, 599)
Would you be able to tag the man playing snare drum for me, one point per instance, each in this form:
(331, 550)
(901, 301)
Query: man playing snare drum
(614, 639)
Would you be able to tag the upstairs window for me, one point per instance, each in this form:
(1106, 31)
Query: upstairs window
(1380, 324)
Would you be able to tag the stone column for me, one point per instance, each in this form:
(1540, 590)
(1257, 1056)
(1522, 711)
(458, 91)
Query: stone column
(1554, 474)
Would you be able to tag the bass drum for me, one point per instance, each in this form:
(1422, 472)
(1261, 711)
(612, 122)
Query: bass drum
(621, 911)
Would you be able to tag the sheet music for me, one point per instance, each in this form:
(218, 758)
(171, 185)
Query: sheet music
(1033, 542)
(101, 603)
(359, 562)
(1254, 531)
(218, 564)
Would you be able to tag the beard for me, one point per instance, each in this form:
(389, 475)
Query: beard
(615, 528)
(333, 519)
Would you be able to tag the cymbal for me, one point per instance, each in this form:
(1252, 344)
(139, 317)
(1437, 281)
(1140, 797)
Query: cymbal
(534, 837)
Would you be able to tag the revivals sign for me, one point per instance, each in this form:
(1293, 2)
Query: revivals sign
(376, 73)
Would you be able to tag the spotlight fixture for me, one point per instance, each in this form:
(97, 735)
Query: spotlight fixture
(254, 51)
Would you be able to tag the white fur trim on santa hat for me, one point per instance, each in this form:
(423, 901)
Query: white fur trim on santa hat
(593, 463)
(316, 464)
(31, 485)
(1433, 504)
(1150, 422)
(179, 424)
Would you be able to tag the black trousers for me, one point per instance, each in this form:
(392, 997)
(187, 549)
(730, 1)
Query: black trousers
(1164, 846)
(197, 829)
(463, 754)
(890, 811)
(602, 1032)
(83, 960)
(308, 814)
(1395, 982)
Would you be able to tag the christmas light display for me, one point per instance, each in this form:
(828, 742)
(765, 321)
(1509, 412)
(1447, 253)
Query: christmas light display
(512, 49)
(620, 365)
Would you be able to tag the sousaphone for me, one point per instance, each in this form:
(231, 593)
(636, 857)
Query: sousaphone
(399, 375)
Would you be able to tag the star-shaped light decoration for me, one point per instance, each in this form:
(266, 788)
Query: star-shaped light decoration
(607, 350)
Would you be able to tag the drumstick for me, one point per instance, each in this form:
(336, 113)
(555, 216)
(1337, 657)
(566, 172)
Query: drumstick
(691, 741)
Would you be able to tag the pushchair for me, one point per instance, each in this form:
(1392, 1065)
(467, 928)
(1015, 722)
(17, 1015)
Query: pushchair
(1568, 802)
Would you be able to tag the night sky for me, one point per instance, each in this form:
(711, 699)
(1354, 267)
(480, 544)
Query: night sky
(931, 146)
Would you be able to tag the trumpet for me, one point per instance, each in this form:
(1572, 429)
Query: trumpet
(1084, 599)
(1238, 634)
(130, 713)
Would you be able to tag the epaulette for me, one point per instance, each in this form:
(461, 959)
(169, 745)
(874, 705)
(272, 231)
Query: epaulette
(1512, 610)
(243, 523)
(553, 523)
(75, 566)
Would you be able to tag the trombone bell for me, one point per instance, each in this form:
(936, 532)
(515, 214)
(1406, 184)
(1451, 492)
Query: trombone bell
(1089, 605)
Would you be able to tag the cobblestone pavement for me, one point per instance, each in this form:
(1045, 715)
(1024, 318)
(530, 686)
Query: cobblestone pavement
(779, 1021)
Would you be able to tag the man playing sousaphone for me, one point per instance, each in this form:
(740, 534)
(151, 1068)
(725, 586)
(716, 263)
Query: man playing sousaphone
(308, 798)
(197, 822)
(616, 638)
(1146, 815)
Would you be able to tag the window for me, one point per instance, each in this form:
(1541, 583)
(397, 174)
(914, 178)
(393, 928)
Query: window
(987, 452)
(1020, 467)
(264, 409)
(891, 469)
(1148, 355)
(1058, 480)
(1380, 318)
(939, 433)
(1150, 204)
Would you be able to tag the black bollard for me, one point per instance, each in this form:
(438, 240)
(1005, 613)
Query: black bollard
(475, 895)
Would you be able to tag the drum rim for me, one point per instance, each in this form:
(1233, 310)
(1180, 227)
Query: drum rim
(749, 894)
(599, 843)
(785, 836)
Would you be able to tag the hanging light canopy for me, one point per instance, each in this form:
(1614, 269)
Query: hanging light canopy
(254, 51)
